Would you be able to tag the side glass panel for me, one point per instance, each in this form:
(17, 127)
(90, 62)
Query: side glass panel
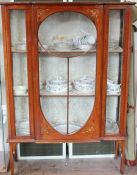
(115, 57)
(22, 116)
(67, 70)
(20, 74)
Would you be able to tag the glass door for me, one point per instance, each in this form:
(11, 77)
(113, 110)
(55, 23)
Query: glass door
(68, 44)
(20, 72)
(117, 71)
(19, 82)
(68, 71)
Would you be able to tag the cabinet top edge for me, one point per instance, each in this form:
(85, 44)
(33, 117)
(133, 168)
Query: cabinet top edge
(67, 3)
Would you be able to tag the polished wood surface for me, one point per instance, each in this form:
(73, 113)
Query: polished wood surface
(65, 3)
(91, 129)
(94, 129)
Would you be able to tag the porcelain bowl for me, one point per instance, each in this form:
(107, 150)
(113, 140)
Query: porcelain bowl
(58, 88)
(113, 87)
(20, 89)
(85, 47)
(58, 84)
(84, 84)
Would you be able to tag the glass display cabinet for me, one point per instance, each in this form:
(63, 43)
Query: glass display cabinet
(67, 70)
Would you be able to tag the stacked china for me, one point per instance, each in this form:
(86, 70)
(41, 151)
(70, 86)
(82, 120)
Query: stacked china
(58, 85)
(113, 87)
(20, 90)
(85, 84)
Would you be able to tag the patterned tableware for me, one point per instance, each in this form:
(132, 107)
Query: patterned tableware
(85, 84)
(58, 85)
(113, 87)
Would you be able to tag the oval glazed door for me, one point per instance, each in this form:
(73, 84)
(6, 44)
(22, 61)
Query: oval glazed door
(68, 66)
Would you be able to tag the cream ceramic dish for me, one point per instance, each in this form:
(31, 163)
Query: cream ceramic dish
(20, 90)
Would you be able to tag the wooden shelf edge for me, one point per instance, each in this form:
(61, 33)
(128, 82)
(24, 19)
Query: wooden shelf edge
(104, 138)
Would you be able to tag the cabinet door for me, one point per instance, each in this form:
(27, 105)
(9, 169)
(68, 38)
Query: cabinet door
(67, 73)
(16, 29)
(117, 72)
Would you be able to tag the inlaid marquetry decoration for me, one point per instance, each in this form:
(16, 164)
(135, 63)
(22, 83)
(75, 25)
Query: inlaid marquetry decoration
(93, 14)
(90, 130)
(42, 14)
(44, 130)
(60, 96)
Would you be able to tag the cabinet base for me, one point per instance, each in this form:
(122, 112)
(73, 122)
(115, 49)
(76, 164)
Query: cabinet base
(119, 149)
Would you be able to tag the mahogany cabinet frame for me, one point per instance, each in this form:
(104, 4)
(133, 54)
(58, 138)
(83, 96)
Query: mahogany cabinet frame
(91, 130)
(94, 129)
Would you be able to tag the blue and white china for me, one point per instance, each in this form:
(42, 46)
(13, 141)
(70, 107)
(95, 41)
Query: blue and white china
(85, 84)
(58, 85)
(113, 87)
(113, 44)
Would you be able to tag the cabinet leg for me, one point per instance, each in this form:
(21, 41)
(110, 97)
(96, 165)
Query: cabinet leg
(11, 159)
(122, 144)
(15, 152)
(116, 149)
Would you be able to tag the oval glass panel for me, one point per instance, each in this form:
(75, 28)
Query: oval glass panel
(67, 86)
(67, 34)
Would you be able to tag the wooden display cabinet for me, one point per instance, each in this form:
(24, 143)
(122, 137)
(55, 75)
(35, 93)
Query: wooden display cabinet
(67, 71)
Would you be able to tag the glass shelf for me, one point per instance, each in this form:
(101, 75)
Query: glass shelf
(111, 50)
(74, 93)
